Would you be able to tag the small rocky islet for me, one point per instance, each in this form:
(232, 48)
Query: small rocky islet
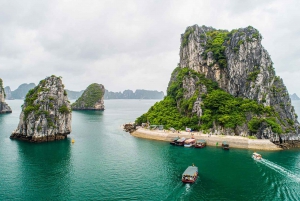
(91, 99)
(46, 113)
(226, 84)
(4, 108)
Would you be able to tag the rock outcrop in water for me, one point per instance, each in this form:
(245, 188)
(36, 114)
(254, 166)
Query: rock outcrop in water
(4, 108)
(46, 113)
(226, 84)
(91, 99)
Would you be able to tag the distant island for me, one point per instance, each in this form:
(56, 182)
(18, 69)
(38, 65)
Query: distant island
(21, 91)
(138, 94)
(91, 99)
(294, 97)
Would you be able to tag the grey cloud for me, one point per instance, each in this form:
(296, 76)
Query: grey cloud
(128, 44)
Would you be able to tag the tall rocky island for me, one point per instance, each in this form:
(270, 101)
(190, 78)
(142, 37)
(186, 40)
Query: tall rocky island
(46, 113)
(91, 99)
(4, 108)
(225, 83)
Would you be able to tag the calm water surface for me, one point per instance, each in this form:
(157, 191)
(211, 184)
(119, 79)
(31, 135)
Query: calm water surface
(106, 163)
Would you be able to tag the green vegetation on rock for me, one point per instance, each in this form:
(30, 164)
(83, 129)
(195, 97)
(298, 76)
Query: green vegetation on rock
(216, 44)
(90, 96)
(30, 104)
(218, 107)
(186, 36)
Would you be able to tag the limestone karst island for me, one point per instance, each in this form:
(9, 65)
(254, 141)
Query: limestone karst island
(46, 113)
(4, 108)
(91, 99)
(225, 85)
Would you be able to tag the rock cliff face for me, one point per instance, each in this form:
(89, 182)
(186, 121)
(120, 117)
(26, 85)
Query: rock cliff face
(46, 113)
(238, 62)
(227, 81)
(91, 99)
(4, 108)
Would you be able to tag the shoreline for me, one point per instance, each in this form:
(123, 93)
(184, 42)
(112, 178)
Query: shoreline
(211, 140)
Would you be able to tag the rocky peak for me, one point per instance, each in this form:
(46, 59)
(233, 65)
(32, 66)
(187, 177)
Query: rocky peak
(91, 99)
(46, 113)
(4, 108)
(225, 83)
(240, 65)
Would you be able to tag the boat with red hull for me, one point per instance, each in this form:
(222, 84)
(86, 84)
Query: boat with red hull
(190, 175)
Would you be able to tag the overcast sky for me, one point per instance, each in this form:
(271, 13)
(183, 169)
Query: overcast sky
(131, 44)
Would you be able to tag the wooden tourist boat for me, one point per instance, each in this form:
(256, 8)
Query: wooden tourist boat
(174, 140)
(256, 156)
(180, 142)
(225, 145)
(190, 175)
(189, 142)
(200, 144)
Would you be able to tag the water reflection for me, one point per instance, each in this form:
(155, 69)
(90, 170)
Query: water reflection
(46, 168)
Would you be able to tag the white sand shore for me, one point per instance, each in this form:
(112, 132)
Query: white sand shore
(234, 141)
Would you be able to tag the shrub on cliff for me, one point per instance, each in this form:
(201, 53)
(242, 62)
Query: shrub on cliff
(219, 107)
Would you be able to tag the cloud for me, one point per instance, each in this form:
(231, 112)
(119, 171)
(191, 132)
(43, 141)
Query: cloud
(129, 44)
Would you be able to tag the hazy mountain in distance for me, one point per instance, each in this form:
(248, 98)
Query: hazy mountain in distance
(294, 97)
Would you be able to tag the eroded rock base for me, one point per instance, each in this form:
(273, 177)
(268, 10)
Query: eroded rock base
(36, 139)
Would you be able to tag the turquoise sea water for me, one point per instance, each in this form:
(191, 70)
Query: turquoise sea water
(106, 163)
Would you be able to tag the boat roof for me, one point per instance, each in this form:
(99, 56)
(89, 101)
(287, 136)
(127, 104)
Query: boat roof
(224, 143)
(190, 140)
(256, 154)
(181, 139)
(201, 141)
(176, 138)
(191, 170)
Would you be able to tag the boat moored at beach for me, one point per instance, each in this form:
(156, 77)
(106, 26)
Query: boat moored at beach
(225, 145)
(190, 175)
(200, 144)
(189, 142)
(256, 156)
(180, 142)
(174, 140)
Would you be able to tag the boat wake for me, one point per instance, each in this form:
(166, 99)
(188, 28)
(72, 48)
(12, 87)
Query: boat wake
(281, 170)
(179, 192)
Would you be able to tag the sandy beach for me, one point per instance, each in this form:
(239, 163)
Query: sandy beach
(212, 140)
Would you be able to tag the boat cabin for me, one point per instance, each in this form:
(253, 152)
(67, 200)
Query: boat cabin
(200, 144)
(174, 140)
(189, 142)
(256, 156)
(225, 145)
(190, 175)
(180, 142)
